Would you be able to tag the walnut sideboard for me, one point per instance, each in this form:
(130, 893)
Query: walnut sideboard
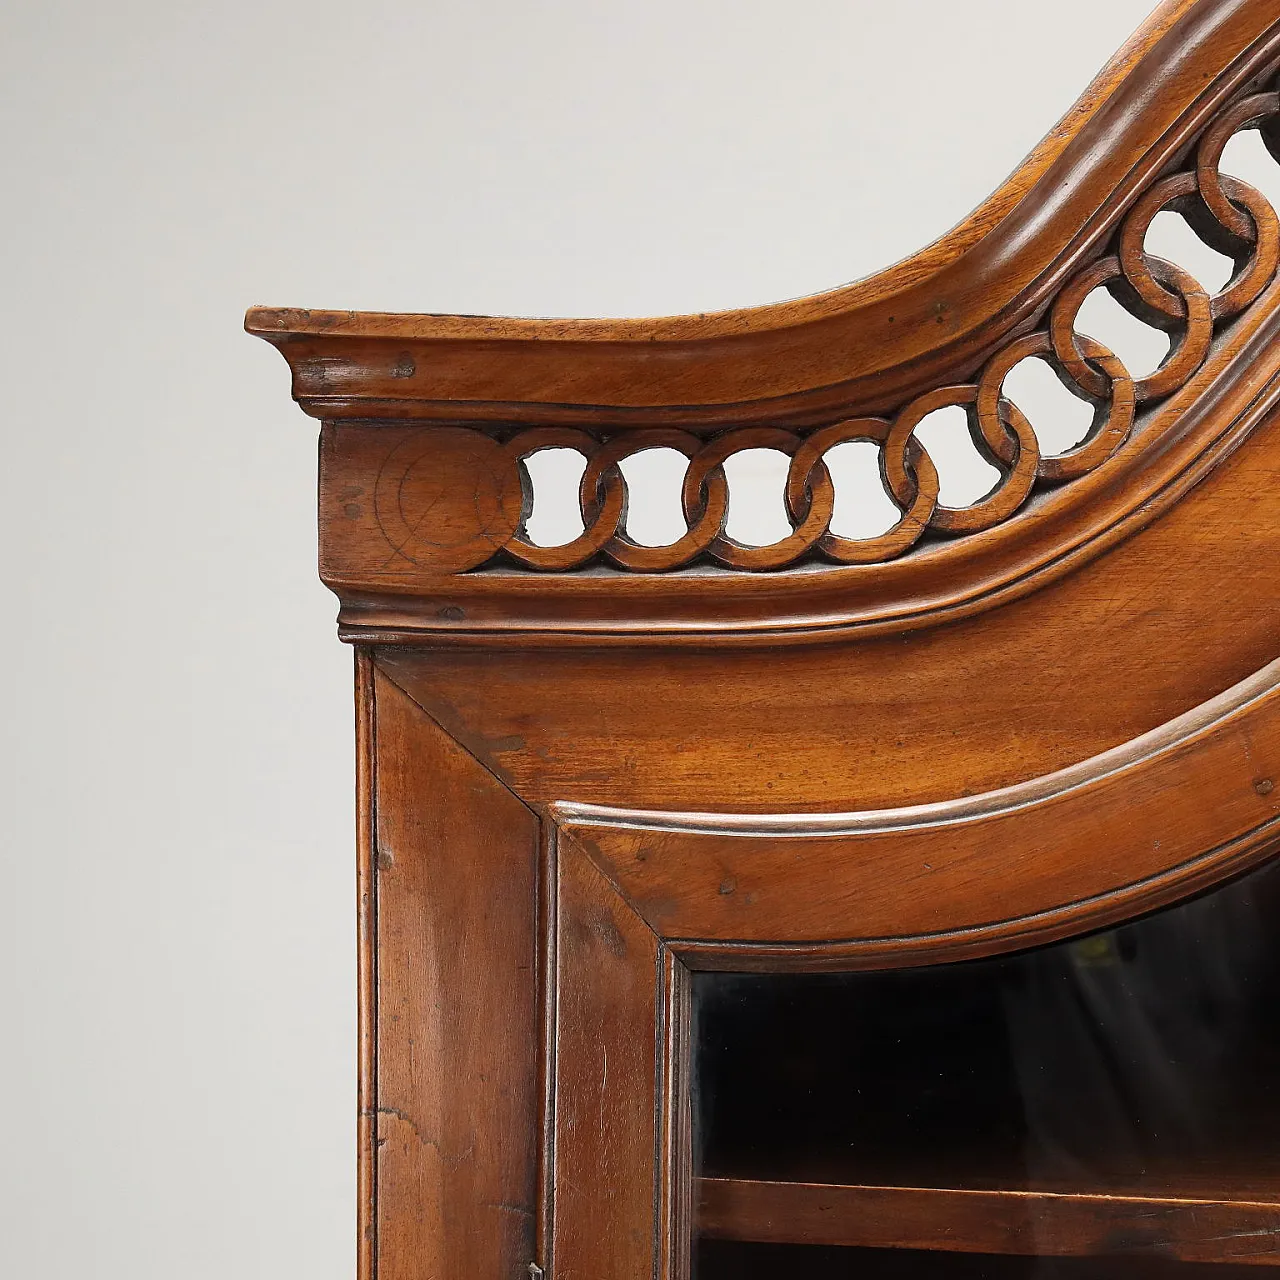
(887, 905)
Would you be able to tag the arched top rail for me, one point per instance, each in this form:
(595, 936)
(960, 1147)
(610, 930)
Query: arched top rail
(815, 891)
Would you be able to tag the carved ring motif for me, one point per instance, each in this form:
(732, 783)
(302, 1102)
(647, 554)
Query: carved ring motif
(460, 531)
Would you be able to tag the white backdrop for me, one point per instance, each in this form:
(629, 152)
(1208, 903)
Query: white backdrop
(178, 1061)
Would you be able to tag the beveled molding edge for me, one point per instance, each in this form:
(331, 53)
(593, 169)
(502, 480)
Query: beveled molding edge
(712, 885)
(867, 348)
(1262, 686)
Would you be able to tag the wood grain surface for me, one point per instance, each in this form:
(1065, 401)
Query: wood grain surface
(587, 771)
(457, 1013)
(1041, 1223)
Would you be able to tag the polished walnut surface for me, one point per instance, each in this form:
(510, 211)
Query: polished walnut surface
(600, 777)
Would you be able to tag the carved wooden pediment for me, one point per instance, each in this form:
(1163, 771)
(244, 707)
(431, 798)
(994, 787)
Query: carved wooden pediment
(429, 419)
(592, 773)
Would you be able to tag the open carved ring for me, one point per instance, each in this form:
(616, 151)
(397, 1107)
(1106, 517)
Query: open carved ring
(596, 532)
(1185, 355)
(1112, 416)
(1255, 256)
(1214, 186)
(703, 528)
(806, 533)
(1014, 484)
(916, 513)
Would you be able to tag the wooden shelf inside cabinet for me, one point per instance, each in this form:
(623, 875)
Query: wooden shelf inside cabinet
(1040, 1223)
(732, 910)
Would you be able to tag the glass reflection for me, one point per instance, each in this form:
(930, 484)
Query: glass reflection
(1144, 1057)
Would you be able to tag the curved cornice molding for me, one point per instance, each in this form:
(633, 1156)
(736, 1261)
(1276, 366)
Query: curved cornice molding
(866, 348)
(425, 494)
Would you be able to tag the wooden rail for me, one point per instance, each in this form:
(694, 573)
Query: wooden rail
(1043, 1223)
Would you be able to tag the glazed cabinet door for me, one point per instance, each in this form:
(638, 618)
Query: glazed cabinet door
(1037, 1033)
(1106, 1105)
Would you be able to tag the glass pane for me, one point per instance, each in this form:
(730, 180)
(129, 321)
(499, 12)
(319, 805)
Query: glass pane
(1076, 1084)
(1146, 1054)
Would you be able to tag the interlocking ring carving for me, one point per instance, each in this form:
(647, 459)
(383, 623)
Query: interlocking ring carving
(1227, 213)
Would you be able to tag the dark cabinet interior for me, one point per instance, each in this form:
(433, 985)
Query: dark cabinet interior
(1113, 1094)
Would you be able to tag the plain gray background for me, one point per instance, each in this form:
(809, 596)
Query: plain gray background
(178, 1052)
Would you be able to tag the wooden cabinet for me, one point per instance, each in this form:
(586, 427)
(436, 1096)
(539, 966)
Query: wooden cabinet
(890, 904)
